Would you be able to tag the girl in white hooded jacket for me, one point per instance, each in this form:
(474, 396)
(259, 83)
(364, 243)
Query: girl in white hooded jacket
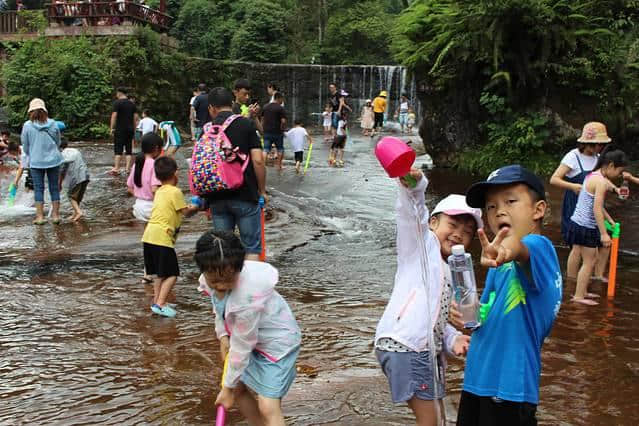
(415, 322)
(256, 327)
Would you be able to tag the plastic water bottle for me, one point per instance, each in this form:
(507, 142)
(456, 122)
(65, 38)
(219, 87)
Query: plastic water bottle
(624, 191)
(464, 287)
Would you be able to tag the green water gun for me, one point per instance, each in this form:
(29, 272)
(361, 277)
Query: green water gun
(615, 229)
(485, 308)
(13, 190)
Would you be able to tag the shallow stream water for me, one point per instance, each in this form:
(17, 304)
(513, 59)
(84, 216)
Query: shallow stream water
(78, 344)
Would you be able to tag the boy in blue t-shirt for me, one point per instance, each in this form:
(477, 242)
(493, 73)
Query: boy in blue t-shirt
(501, 380)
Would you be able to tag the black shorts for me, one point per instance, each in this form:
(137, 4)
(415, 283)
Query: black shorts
(339, 142)
(123, 142)
(77, 192)
(161, 261)
(488, 411)
(379, 120)
(299, 156)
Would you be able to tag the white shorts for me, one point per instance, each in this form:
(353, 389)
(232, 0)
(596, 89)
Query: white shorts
(142, 209)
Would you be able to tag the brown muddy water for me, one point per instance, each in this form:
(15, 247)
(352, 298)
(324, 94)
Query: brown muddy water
(78, 344)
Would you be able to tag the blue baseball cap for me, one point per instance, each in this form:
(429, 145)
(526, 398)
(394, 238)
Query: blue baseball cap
(476, 194)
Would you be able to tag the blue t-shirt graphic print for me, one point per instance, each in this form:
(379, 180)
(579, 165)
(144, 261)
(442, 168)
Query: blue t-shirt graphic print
(504, 359)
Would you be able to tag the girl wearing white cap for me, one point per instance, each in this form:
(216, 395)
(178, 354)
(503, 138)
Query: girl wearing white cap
(40, 142)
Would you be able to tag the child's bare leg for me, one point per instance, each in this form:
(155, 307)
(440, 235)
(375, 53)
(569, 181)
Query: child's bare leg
(165, 289)
(589, 255)
(340, 154)
(271, 411)
(157, 285)
(247, 405)
(603, 254)
(76, 207)
(425, 411)
(574, 259)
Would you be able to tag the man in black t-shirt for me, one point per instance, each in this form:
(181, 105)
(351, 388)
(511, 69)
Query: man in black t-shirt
(336, 100)
(240, 206)
(242, 93)
(201, 107)
(123, 123)
(274, 123)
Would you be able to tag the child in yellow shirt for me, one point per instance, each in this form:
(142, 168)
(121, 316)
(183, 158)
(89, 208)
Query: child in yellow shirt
(160, 259)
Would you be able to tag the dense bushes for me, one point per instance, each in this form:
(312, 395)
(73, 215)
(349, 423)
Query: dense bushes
(579, 57)
(77, 78)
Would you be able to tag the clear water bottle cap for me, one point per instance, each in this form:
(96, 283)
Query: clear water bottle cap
(458, 250)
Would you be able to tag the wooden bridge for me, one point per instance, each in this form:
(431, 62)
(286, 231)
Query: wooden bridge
(117, 17)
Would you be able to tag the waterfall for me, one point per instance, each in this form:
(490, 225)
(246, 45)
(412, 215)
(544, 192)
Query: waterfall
(305, 87)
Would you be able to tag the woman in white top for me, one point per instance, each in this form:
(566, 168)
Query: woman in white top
(570, 176)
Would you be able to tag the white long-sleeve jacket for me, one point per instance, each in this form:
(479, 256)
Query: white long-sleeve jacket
(406, 317)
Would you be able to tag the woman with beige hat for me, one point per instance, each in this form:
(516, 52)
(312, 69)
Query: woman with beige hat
(40, 142)
(570, 176)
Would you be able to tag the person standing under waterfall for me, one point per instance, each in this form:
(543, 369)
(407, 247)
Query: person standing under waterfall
(336, 100)
(379, 108)
(201, 108)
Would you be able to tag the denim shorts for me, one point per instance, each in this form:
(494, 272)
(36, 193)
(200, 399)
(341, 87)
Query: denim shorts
(246, 215)
(409, 374)
(273, 138)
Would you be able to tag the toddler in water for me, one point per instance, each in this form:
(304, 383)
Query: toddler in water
(336, 156)
(414, 331)
(298, 135)
(257, 330)
(410, 121)
(368, 118)
(586, 231)
(522, 297)
(74, 175)
(326, 115)
(142, 182)
(160, 234)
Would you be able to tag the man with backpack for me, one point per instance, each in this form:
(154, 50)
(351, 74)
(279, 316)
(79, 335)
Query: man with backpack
(240, 206)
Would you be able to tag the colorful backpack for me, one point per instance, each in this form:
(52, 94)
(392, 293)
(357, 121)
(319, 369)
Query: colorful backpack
(213, 164)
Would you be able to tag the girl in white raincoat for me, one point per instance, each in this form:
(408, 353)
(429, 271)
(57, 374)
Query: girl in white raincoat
(255, 325)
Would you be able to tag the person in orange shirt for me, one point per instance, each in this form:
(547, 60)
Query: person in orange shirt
(379, 107)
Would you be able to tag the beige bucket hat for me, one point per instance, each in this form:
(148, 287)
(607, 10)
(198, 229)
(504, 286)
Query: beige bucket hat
(37, 103)
(594, 132)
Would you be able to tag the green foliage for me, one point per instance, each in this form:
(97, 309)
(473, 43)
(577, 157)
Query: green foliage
(203, 30)
(32, 21)
(261, 34)
(358, 35)
(69, 74)
(513, 137)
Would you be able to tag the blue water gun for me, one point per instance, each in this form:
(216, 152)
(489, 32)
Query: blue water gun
(13, 190)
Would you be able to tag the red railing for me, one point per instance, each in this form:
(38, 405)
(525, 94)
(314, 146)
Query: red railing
(106, 13)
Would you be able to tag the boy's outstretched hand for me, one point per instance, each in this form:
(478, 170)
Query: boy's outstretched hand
(494, 254)
(460, 347)
(414, 173)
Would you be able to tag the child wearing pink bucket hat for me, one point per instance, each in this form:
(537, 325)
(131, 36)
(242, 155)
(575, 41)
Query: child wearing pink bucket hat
(414, 334)
(570, 175)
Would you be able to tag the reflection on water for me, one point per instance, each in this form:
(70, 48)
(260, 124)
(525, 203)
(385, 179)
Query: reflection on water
(79, 345)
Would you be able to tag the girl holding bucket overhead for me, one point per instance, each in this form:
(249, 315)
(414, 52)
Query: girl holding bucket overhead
(570, 176)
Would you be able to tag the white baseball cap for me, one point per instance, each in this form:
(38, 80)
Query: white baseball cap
(454, 205)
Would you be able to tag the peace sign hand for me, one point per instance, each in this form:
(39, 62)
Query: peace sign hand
(494, 254)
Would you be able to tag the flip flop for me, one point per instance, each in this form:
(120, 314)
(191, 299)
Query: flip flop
(56, 221)
(39, 222)
(592, 296)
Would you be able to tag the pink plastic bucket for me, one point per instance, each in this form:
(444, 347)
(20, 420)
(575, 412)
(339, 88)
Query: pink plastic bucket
(395, 156)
